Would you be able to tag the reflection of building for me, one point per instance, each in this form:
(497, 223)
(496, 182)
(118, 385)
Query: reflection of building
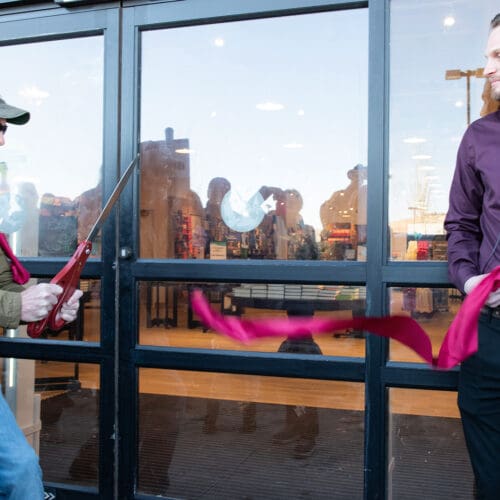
(418, 238)
(88, 207)
(171, 214)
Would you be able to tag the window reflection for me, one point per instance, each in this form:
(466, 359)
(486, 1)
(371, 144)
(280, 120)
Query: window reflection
(426, 441)
(241, 166)
(167, 319)
(436, 72)
(56, 405)
(433, 308)
(192, 425)
(51, 167)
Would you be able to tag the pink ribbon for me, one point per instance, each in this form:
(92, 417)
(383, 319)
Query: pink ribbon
(460, 342)
(19, 273)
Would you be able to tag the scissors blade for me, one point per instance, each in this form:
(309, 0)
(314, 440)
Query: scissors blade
(112, 199)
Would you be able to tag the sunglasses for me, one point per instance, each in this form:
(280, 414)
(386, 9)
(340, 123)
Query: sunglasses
(3, 128)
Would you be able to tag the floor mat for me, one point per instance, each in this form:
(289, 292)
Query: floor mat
(235, 457)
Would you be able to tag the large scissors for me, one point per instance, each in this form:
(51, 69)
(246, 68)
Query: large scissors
(69, 276)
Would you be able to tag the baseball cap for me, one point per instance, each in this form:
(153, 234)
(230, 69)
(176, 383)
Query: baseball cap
(14, 115)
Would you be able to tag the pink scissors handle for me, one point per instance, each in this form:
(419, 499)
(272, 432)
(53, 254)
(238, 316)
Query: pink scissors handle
(67, 278)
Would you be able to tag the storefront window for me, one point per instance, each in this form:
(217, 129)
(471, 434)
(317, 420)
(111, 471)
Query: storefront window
(436, 89)
(433, 308)
(86, 327)
(166, 317)
(50, 185)
(253, 146)
(56, 405)
(427, 453)
(230, 435)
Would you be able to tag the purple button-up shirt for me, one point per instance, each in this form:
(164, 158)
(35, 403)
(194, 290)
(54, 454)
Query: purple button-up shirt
(473, 219)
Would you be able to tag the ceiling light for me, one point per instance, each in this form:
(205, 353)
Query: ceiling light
(270, 106)
(184, 151)
(448, 21)
(414, 140)
(421, 157)
(219, 42)
(293, 145)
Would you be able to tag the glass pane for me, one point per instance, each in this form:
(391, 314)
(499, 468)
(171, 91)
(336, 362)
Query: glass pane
(433, 308)
(50, 190)
(86, 327)
(427, 453)
(56, 405)
(234, 434)
(437, 51)
(266, 158)
(166, 317)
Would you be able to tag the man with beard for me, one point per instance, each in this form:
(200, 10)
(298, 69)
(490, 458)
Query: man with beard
(473, 231)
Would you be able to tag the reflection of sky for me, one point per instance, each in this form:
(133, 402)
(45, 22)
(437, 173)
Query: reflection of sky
(313, 63)
(61, 84)
(209, 95)
(423, 103)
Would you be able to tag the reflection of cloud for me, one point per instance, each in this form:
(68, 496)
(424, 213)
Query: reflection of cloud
(34, 94)
(89, 73)
(270, 106)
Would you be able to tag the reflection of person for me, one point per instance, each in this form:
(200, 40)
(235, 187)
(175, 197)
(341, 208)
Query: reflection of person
(20, 475)
(274, 235)
(343, 217)
(349, 204)
(216, 229)
(473, 228)
(10, 220)
(301, 422)
(301, 238)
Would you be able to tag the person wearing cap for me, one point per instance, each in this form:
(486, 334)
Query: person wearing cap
(20, 473)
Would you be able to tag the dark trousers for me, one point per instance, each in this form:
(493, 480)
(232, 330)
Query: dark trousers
(304, 420)
(479, 403)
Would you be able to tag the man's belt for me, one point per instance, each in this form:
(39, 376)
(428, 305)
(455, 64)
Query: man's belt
(492, 312)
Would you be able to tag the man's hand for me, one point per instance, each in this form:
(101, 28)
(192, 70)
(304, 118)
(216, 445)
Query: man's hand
(38, 300)
(69, 310)
(493, 298)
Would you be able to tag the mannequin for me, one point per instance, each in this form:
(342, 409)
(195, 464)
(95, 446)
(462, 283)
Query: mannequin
(343, 217)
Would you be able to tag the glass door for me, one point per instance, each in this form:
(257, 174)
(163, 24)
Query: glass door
(55, 172)
(252, 188)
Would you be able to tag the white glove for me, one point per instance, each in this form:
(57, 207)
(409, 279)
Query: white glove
(493, 299)
(38, 300)
(69, 310)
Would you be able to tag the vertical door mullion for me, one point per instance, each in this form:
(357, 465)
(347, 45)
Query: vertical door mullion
(128, 231)
(109, 332)
(376, 348)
